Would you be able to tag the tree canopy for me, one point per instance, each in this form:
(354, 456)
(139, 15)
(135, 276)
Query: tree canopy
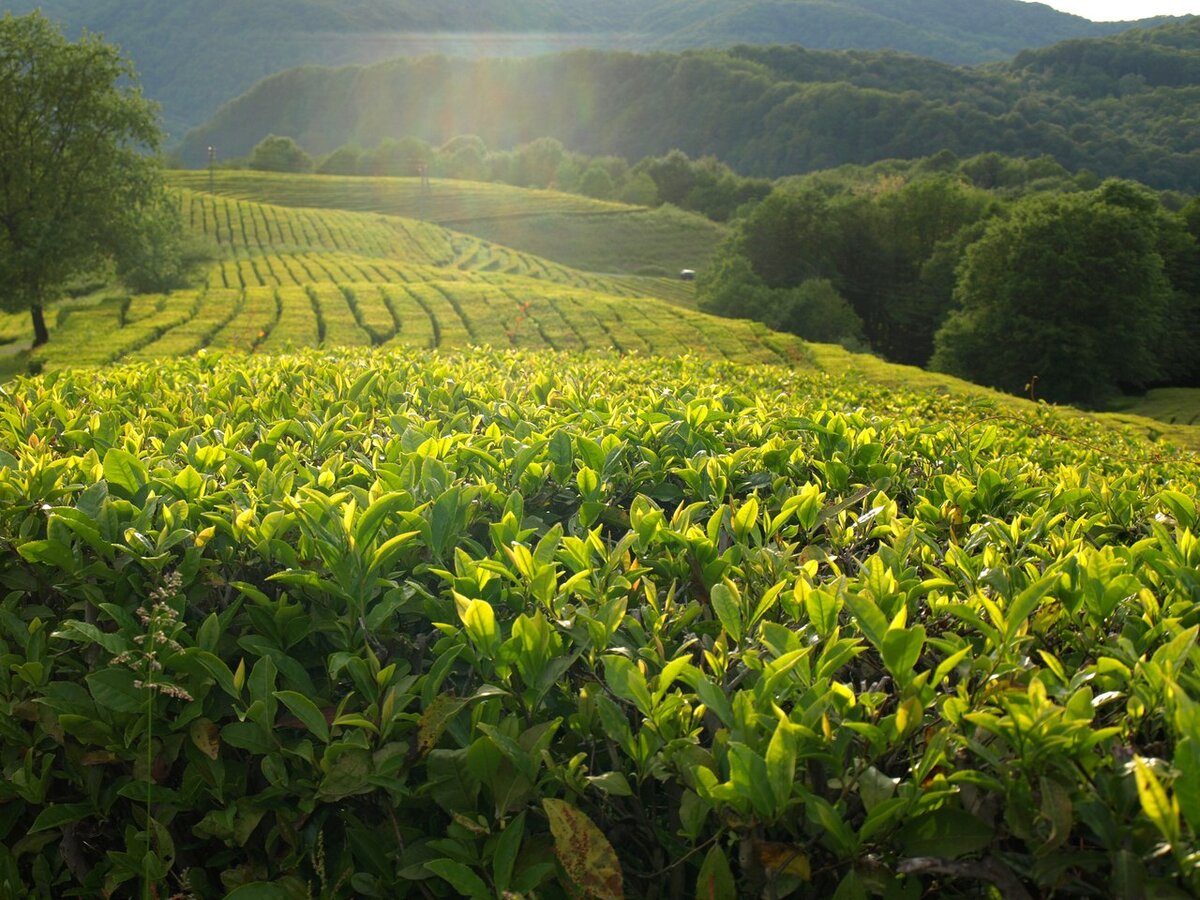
(76, 182)
(1070, 290)
(279, 154)
(195, 56)
(1091, 292)
(764, 111)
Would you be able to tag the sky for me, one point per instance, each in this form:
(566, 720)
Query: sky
(1115, 10)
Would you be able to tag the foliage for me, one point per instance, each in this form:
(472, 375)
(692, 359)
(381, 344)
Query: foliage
(78, 186)
(194, 59)
(1093, 292)
(159, 255)
(279, 154)
(597, 183)
(814, 309)
(1068, 291)
(888, 245)
(345, 160)
(764, 111)
(706, 186)
(467, 625)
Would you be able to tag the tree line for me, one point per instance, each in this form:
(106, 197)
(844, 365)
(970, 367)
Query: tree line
(1067, 291)
(195, 56)
(706, 185)
(764, 111)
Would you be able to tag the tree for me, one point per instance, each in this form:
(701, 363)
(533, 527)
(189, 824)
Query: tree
(537, 161)
(158, 256)
(640, 190)
(789, 238)
(75, 178)
(597, 183)
(1071, 289)
(672, 174)
(814, 309)
(345, 160)
(280, 154)
(464, 156)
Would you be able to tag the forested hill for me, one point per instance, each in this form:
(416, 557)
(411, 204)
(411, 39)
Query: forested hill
(193, 56)
(767, 111)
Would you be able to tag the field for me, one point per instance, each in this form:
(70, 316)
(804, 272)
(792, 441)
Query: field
(575, 231)
(291, 277)
(385, 623)
(303, 239)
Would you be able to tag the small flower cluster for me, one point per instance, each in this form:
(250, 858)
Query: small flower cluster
(162, 623)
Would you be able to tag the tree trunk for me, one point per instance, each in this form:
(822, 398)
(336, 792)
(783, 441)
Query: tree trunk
(40, 334)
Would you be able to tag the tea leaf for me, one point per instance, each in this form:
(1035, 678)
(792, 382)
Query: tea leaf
(584, 852)
(727, 605)
(462, 879)
(627, 681)
(206, 736)
(57, 815)
(1159, 808)
(125, 471)
(307, 712)
(948, 833)
(716, 878)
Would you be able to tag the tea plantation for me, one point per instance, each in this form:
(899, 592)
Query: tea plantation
(286, 277)
(387, 623)
(567, 228)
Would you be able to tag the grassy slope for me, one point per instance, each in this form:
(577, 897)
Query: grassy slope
(576, 231)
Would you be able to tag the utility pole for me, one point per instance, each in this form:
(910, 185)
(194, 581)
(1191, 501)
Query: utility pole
(212, 165)
(422, 170)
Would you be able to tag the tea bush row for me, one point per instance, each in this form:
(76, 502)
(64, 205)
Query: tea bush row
(386, 624)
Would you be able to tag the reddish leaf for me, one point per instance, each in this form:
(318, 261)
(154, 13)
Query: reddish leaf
(584, 851)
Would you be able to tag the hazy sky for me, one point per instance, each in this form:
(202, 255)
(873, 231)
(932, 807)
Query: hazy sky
(1113, 10)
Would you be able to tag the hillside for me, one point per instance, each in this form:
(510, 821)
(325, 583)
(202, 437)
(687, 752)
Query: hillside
(766, 111)
(286, 277)
(192, 57)
(390, 562)
(566, 228)
(302, 272)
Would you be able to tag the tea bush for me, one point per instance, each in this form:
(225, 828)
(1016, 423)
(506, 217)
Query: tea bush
(386, 624)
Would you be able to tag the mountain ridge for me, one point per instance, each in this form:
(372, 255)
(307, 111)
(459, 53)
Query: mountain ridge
(766, 111)
(192, 58)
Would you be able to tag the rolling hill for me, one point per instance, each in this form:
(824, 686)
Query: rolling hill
(192, 57)
(303, 271)
(296, 553)
(576, 231)
(292, 276)
(767, 111)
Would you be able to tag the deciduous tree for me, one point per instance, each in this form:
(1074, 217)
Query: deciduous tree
(280, 154)
(76, 177)
(1071, 289)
